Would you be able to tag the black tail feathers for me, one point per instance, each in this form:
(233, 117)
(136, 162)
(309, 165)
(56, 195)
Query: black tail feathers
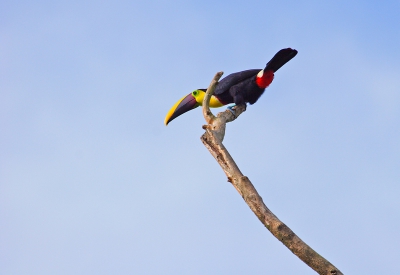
(280, 59)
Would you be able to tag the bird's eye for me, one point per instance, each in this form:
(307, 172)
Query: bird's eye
(195, 93)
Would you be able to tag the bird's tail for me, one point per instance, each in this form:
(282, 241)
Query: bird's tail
(280, 59)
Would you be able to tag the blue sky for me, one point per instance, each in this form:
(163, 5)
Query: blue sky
(92, 182)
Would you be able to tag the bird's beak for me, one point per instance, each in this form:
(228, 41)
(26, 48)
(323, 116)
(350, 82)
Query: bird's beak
(185, 104)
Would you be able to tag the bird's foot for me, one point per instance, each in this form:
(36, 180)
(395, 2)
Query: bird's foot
(230, 108)
(233, 108)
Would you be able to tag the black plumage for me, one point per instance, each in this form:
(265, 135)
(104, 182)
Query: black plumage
(241, 87)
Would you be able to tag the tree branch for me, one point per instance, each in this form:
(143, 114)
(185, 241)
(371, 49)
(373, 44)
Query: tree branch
(212, 139)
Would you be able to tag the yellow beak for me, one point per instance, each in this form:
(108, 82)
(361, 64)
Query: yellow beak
(185, 104)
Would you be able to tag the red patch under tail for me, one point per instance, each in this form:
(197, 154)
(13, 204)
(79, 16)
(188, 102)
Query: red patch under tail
(266, 79)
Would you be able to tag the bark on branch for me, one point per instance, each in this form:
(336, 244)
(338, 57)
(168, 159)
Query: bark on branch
(212, 139)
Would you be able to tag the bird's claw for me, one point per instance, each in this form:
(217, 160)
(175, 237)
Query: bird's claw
(230, 108)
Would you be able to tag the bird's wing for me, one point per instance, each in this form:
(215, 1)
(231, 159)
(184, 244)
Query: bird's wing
(233, 79)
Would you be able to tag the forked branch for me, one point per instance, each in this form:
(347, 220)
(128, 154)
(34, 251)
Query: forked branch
(212, 139)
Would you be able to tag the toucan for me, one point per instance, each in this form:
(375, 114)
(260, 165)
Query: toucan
(239, 88)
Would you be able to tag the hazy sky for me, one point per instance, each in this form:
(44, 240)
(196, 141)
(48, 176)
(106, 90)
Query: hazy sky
(92, 182)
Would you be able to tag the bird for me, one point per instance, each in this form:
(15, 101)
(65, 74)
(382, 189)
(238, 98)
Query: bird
(239, 88)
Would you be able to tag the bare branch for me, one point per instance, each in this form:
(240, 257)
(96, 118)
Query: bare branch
(212, 139)
(208, 115)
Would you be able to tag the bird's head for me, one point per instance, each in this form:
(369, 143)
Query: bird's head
(190, 102)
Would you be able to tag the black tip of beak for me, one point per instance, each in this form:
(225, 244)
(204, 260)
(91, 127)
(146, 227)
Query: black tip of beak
(184, 105)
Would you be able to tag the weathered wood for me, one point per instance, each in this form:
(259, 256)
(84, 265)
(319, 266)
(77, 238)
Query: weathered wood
(212, 139)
